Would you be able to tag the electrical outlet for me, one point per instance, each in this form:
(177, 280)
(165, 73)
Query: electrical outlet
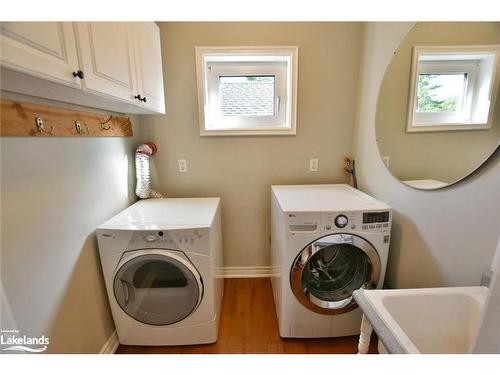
(386, 160)
(313, 165)
(183, 166)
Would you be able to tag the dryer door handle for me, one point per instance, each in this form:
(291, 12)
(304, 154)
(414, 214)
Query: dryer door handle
(126, 293)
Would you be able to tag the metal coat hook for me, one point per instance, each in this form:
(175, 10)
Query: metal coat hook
(78, 127)
(105, 122)
(40, 126)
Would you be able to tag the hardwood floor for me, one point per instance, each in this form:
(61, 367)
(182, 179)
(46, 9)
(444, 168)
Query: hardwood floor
(249, 326)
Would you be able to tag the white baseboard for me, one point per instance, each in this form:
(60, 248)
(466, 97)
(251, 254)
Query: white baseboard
(243, 272)
(111, 345)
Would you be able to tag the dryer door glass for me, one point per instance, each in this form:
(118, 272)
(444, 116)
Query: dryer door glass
(326, 273)
(158, 289)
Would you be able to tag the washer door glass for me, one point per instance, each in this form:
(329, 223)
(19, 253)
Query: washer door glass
(158, 289)
(325, 273)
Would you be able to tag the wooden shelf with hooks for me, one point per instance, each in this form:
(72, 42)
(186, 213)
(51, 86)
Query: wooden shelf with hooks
(34, 120)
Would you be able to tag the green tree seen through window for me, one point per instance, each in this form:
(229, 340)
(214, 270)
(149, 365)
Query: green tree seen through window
(427, 95)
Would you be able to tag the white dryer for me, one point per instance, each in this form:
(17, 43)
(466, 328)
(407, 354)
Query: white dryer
(161, 260)
(326, 242)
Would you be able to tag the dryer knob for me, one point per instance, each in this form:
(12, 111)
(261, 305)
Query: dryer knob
(150, 238)
(341, 221)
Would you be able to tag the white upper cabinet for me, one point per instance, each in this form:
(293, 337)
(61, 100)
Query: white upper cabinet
(107, 55)
(114, 65)
(43, 49)
(149, 65)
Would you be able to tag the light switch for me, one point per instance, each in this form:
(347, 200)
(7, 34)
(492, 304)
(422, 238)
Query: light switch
(183, 167)
(313, 165)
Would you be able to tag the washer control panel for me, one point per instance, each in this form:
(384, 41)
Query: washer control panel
(317, 222)
(358, 220)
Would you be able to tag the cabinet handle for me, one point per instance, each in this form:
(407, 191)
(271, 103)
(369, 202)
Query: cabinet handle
(78, 74)
(143, 99)
(139, 97)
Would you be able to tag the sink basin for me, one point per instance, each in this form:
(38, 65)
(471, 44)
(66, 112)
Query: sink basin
(430, 320)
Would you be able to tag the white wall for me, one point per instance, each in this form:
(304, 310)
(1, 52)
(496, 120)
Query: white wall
(54, 193)
(439, 238)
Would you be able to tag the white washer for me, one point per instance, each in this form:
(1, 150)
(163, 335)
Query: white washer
(161, 260)
(326, 242)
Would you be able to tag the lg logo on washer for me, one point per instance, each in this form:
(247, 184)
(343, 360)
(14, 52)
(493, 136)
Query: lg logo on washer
(10, 341)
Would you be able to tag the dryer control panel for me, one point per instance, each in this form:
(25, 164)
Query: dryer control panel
(187, 240)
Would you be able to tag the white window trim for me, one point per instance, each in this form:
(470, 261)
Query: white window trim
(288, 113)
(434, 123)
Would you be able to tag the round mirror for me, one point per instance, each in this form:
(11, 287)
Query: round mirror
(438, 111)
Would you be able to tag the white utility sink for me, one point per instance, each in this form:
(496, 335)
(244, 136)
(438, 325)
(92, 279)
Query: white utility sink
(431, 320)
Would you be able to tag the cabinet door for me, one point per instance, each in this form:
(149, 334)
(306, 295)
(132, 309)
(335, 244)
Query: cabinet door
(43, 49)
(149, 65)
(107, 55)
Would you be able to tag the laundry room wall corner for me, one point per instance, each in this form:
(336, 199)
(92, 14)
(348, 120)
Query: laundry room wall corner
(54, 194)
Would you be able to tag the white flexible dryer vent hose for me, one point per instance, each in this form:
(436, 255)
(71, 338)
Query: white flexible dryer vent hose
(142, 155)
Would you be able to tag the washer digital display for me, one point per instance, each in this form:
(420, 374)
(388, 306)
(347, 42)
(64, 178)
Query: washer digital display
(375, 217)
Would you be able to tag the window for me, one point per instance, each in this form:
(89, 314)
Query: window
(441, 92)
(247, 95)
(247, 91)
(452, 88)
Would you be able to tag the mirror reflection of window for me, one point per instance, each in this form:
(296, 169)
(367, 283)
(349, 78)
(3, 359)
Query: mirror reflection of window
(451, 88)
(438, 111)
(441, 92)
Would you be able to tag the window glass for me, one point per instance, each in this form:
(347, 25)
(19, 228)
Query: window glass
(246, 95)
(440, 92)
